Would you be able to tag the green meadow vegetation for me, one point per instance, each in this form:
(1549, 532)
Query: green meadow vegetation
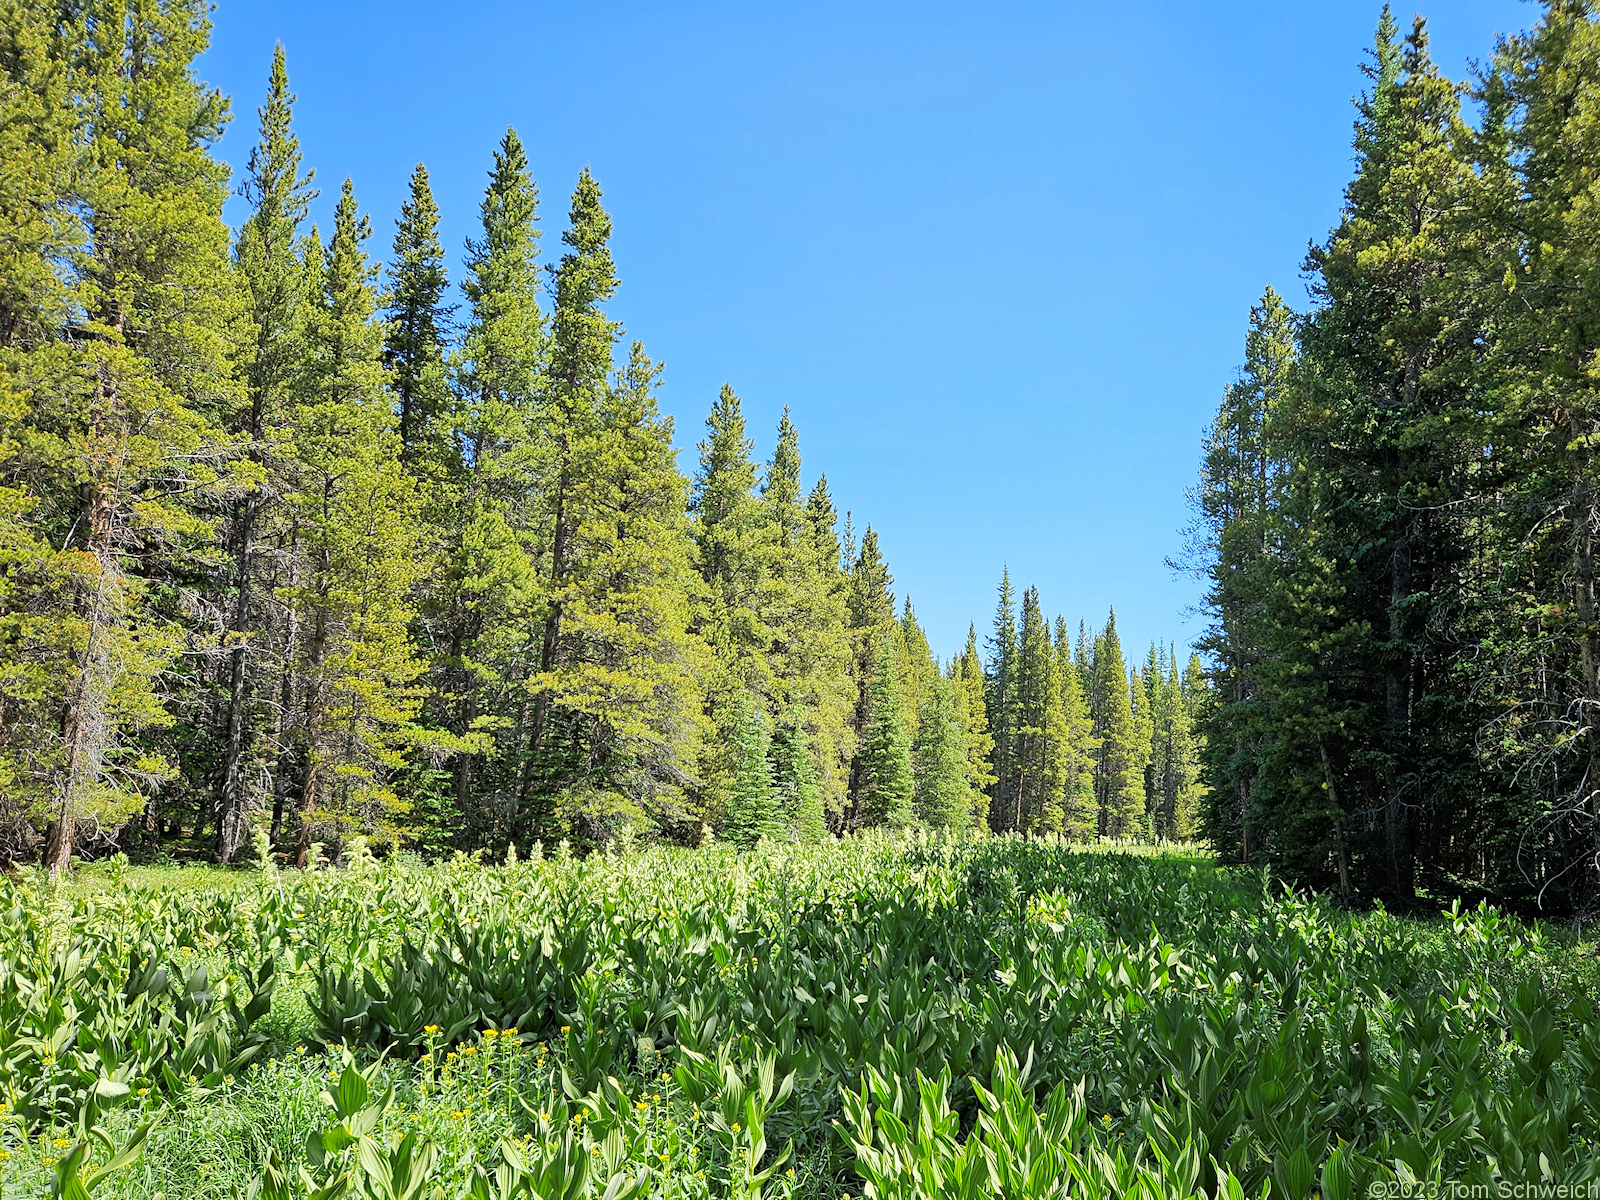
(668, 859)
(879, 1016)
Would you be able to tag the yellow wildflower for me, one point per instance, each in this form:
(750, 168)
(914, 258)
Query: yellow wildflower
(430, 1029)
(663, 1157)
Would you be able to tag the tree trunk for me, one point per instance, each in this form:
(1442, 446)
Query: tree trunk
(1397, 715)
(85, 723)
(232, 820)
(552, 624)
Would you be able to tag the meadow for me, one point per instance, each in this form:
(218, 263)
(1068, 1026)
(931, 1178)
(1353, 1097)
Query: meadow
(873, 1017)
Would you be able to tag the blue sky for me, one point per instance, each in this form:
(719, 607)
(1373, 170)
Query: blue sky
(996, 258)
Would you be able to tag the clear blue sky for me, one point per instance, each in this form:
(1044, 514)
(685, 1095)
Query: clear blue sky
(996, 258)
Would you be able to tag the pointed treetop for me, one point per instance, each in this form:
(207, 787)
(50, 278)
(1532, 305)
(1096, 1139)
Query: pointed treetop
(781, 480)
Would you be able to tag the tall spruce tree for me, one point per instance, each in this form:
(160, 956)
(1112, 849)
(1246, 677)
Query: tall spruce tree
(1078, 743)
(888, 788)
(1236, 503)
(797, 797)
(413, 348)
(1119, 760)
(354, 509)
(1001, 702)
(750, 800)
(625, 684)
(582, 338)
(969, 686)
(802, 607)
(109, 412)
(1038, 735)
(939, 758)
(482, 610)
(273, 275)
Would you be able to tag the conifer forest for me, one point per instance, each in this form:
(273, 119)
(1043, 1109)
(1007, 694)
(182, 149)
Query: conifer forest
(428, 773)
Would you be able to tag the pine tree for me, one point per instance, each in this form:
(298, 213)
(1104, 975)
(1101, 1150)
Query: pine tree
(803, 611)
(833, 707)
(626, 683)
(482, 611)
(887, 790)
(919, 670)
(729, 533)
(274, 277)
(969, 685)
(750, 799)
(413, 348)
(1079, 746)
(1240, 487)
(1001, 702)
(798, 810)
(1119, 764)
(939, 756)
(581, 343)
(1037, 732)
(107, 408)
(869, 601)
(355, 512)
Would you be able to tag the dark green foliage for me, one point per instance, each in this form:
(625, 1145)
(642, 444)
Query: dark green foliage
(284, 554)
(797, 797)
(417, 328)
(940, 757)
(887, 790)
(1394, 509)
(752, 803)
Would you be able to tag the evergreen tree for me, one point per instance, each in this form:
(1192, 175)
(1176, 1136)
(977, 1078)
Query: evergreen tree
(798, 810)
(968, 691)
(888, 789)
(112, 372)
(581, 343)
(272, 272)
(832, 703)
(939, 755)
(1001, 702)
(1078, 744)
(355, 512)
(803, 608)
(626, 682)
(870, 608)
(919, 669)
(1038, 734)
(750, 800)
(1239, 491)
(413, 348)
(729, 534)
(1119, 762)
(482, 611)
